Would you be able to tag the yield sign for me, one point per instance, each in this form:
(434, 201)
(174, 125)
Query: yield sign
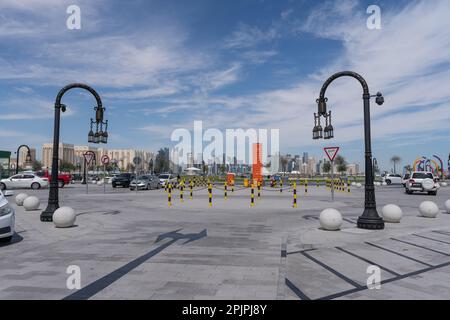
(88, 156)
(331, 152)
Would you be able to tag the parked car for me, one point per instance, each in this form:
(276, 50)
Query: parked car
(422, 182)
(63, 178)
(392, 178)
(405, 178)
(7, 219)
(145, 182)
(24, 181)
(167, 178)
(123, 180)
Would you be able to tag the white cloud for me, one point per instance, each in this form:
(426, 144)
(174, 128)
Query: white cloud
(249, 36)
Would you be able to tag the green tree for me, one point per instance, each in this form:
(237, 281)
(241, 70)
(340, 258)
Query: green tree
(162, 163)
(36, 165)
(395, 160)
(67, 167)
(326, 167)
(341, 164)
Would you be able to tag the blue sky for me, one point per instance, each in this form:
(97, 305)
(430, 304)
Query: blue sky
(160, 65)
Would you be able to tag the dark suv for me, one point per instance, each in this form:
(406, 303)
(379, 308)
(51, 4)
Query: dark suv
(123, 180)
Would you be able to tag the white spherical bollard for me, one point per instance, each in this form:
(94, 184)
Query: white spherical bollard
(447, 206)
(330, 219)
(100, 182)
(384, 183)
(358, 185)
(64, 217)
(353, 183)
(20, 198)
(428, 209)
(443, 184)
(392, 213)
(31, 203)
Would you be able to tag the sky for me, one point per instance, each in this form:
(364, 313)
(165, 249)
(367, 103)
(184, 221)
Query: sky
(161, 65)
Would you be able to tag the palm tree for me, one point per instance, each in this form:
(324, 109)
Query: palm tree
(395, 160)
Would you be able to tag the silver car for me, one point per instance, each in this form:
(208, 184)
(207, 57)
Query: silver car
(145, 182)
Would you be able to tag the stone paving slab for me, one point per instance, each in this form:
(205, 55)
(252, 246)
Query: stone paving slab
(240, 258)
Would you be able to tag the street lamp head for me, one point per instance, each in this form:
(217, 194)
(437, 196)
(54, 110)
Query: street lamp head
(322, 106)
(329, 130)
(28, 157)
(104, 137)
(317, 130)
(97, 137)
(379, 99)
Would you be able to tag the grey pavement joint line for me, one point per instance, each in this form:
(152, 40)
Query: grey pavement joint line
(420, 236)
(398, 253)
(419, 246)
(404, 276)
(368, 261)
(296, 290)
(336, 273)
(281, 290)
(442, 232)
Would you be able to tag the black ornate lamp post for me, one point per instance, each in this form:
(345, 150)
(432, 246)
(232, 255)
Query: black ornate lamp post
(100, 136)
(370, 218)
(27, 159)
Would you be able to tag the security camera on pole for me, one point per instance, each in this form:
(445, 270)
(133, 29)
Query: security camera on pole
(331, 153)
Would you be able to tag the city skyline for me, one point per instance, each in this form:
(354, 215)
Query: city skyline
(261, 69)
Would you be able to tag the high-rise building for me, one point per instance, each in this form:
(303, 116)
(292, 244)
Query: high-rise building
(66, 154)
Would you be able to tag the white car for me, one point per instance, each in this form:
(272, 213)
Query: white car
(167, 178)
(391, 178)
(7, 219)
(24, 181)
(422, 182)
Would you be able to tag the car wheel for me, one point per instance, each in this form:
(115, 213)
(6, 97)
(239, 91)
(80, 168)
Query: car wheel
(388, 182)
(432, 193)
(2, 186)
(114, 186)
(408, 191)
(35, 186)
(6, 239)
(61, 184)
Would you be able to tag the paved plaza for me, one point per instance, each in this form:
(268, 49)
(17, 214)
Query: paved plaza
(132, 245)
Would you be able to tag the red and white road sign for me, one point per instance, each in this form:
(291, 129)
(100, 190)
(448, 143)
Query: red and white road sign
(331, 152)
(88, 157)
(105, 159)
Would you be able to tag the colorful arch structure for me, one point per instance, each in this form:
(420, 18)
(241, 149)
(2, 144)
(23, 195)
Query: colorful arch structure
(425, 164)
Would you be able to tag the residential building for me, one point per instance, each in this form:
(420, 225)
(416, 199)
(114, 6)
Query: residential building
(66, 154)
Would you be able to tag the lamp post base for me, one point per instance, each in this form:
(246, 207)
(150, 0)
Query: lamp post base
(370, 221)
(47, 214)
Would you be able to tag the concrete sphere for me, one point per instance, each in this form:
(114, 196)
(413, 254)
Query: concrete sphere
(64, 217)
(428, 209)
(392, 213)
(100, 182)
(447, 206)
(20, 198)
(358, 185)
(353, 183)
(31, 203)
(384, 183)
(443, 184)
(330, 219)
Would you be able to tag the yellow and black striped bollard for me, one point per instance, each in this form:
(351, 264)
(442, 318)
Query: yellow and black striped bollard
(252, 196)
(259, 190)
(210, 194)
(169, 194)
(306, 187)
(181, 191)
(190, 189)
(281, 185)
(294, 187)
(225, 189)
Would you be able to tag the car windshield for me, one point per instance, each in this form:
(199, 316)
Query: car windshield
(143, 178)
(123, 175)
(422, 175)
(164, 176)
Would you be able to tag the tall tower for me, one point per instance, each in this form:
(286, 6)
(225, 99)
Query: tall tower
(257, 162)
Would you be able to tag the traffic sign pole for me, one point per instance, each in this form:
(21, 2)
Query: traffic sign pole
(331, 153)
